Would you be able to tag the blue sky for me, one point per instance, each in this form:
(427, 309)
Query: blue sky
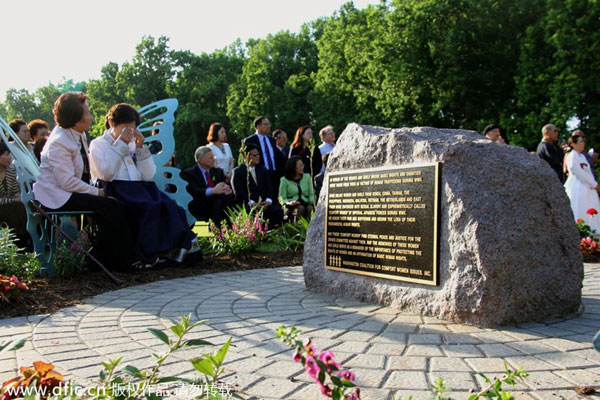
(44, 41)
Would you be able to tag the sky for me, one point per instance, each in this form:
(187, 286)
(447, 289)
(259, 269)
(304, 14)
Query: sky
(48, 41)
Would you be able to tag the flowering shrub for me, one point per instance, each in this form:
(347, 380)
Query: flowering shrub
(10, 288)
(70, 257)
(246, 231)
(589, 246)
(321, 365)
(13, 260)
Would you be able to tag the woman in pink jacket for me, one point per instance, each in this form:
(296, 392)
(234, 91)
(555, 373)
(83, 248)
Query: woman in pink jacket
(63, 183)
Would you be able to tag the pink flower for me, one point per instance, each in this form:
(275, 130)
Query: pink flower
(325, 389)
(312, 368)
(296, 356)
(327, 359)
(355, 395)
(347, 375)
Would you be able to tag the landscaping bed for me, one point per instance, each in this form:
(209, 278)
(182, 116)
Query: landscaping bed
(48, 295)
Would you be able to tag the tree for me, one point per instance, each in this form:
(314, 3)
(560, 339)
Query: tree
(201, 86)
(275, 81)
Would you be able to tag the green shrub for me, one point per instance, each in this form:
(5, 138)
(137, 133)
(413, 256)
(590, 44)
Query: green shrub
(13, 261)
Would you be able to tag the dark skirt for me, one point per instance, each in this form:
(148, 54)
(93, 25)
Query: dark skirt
(14, 215)
(157, 223)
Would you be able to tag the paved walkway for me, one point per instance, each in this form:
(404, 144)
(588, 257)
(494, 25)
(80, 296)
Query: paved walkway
(390, 352)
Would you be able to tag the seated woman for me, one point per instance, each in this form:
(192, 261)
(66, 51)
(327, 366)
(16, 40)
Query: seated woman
(59, 186)
(581, 186)
(12, 211)
(312, 161)
(121, 163)
(296, 192)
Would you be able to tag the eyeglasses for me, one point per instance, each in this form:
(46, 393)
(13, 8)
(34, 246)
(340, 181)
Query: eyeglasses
(254, 154)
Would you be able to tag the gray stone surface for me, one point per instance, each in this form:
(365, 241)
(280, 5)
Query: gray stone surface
(509, 249)
(260, 365)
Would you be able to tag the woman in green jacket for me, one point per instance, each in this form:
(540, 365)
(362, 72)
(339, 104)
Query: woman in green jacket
(296, 193)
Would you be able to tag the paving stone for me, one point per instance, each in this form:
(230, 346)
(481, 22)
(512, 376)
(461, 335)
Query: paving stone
(459, 338)
(532, 347)
(461, 350)
(542, 394)
(274, 388)
(530, 363)
(387, 349)
(366, 361)
(390, 337)
(448, 364)
(407, 363)
(565, 345)
(411, 380)
(579, 377)
(424, 338)
(567, 360)
(498, 350)
(546, 380)
(369, 378)
(486, 365)
(281, 369)
(453, 380)
(423, 350)
(354, 347)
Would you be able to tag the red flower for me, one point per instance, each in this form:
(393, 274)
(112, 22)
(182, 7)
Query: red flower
(579, 220)
(591, 211)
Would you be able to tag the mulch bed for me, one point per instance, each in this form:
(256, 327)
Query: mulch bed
(48, 295)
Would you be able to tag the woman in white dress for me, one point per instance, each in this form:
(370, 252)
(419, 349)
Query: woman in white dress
(581, 186)
(217, 139)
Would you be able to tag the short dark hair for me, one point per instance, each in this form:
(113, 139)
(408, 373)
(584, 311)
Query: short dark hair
(3, 148)
(250, 146)
(121, 113)
(277, 133)
(68, 109)
(15, 124)
(490, 127)
(213, 132)
(574, 139)
(259, 120)
(290, 167)
(35, 125)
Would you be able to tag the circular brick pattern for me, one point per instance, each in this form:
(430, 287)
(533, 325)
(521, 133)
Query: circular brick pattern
(391, 352)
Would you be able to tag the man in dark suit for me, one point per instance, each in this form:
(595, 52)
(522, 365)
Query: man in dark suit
(211, 195)
(271, 159)
(253, 188)
(281, 142)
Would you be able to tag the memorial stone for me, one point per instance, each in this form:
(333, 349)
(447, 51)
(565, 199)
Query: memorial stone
(508, 247)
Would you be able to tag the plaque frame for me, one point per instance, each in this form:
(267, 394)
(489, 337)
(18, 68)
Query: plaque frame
(434, 280)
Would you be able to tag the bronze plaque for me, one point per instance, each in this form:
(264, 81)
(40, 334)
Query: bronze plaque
(383, 222)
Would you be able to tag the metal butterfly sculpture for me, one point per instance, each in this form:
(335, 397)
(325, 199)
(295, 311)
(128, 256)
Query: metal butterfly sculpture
(157, 127)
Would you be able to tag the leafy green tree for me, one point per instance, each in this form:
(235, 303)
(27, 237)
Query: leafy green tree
(557, 77)
(275, 81)
(201, 86)
(20, 104)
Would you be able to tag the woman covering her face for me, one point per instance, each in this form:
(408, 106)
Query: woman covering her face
(123, 165)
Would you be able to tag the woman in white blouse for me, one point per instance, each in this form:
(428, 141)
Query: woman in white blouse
(217, 139)
(581, 186)
(123, 165)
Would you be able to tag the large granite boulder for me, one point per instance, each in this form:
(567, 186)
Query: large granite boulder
(509, 247)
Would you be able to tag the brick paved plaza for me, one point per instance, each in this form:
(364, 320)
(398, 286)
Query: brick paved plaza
(391, 352)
